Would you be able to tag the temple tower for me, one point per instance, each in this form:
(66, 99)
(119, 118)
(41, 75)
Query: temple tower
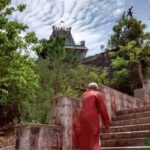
(79, 50)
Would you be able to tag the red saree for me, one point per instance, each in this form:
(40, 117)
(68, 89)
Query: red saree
(93, 105)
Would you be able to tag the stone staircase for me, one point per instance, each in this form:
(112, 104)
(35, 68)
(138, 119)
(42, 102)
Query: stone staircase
(130, 130)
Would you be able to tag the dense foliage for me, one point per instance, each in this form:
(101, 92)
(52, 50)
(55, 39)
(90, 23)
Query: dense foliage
(131, 58)
(18, 81)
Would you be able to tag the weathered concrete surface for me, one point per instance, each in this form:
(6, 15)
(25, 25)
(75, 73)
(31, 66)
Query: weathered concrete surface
(65, 111)
(117, 101)
(143, 94)
(38, 137)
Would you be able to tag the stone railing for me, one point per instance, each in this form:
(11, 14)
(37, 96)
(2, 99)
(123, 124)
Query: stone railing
(118, 101)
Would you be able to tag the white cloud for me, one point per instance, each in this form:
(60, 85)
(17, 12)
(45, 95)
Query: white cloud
(118, 12)
(120, 2)
(91, 20)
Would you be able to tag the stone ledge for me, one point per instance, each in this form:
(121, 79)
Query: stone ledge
(64, 96)
(27, 125)
(37, 136)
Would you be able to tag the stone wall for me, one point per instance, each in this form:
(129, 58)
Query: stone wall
(38, 137)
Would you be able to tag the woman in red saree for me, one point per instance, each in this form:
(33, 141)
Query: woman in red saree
(93, 105)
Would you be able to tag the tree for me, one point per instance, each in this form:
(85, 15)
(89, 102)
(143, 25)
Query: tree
(18, 81)
(131, 59)
(126, 30)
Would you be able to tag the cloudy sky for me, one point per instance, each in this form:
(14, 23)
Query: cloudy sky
(91, 20)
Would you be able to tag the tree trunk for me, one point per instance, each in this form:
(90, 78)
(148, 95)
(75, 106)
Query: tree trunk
(139, 73)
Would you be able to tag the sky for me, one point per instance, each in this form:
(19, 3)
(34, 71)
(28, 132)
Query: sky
(91, 20)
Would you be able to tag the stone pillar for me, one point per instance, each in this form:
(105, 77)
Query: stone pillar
(143, 94)
(147, 83)
(65, 112)
(38, 137)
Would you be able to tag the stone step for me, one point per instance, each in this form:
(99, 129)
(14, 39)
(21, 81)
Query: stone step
(135, 110)
(127, 148)
(126, 128)
(125, 135)
(131, 116)
(123, 142)
(131, 121)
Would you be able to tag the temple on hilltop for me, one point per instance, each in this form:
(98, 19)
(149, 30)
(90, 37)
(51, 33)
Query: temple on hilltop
(78, 49)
